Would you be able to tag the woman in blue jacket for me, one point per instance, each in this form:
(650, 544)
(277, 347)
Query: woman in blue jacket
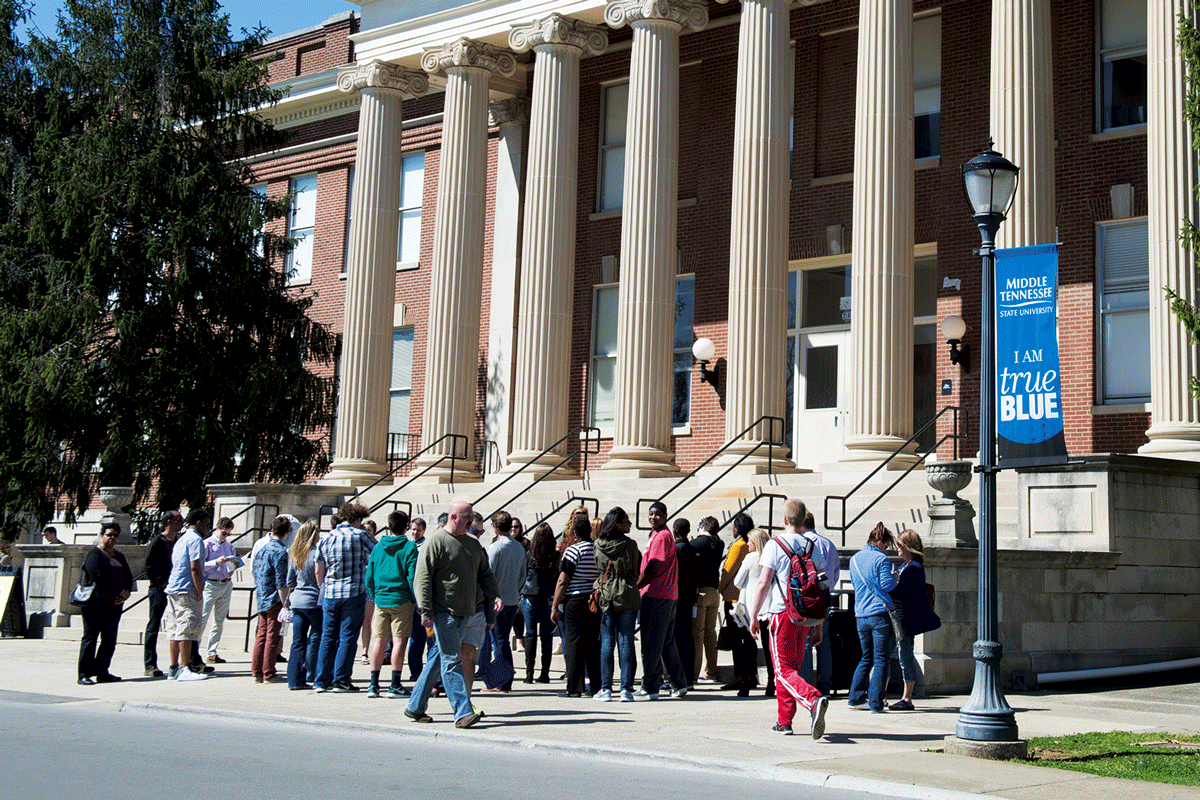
(871, 574)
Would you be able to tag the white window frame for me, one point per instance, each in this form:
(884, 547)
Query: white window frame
(1105, 57)
(608, 148)
(301, 228)
(410, 208)
(1102, 360)
(400, 388)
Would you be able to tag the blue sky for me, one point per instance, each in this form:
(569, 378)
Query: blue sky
(280, 17)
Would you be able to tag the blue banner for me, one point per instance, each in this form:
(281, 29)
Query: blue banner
(1028, 384)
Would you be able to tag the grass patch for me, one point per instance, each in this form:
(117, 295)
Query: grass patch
(1158, 757)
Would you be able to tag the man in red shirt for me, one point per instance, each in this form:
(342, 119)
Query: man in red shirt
(659, 585)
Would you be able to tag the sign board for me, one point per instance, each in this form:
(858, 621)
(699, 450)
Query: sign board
(1029, 418)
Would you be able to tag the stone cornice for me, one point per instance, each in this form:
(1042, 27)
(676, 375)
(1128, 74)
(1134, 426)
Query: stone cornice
(468, 53)
(557, 29)
(502, 112)
(380, 75)
(691, 14)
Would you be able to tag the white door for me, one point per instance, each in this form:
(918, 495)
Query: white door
(822, 397)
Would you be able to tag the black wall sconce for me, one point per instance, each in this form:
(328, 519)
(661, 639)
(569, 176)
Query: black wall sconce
(954, 329)
(704, 350)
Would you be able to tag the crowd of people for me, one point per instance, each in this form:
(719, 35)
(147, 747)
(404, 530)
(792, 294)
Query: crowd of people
(447, 605)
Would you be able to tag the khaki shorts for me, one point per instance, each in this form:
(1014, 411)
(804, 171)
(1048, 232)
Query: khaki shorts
(186, 618)
(398, 621)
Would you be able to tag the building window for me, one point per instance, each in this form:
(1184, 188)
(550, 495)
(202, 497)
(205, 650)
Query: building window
(400, 391)
(612, 145)
(301, 221)
(412, 190)
(604, 354)
(685, 312)
(1124, 267)
(349, 217)
(927, 84)
(259, 190)
(1122, 63)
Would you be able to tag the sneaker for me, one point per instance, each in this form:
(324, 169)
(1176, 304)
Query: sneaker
(863, 706)
(417, 716)
(372, 691)
(173, 673)
(604, 696)
(706, 680)
(645, 694)
(342, 687)
(569, 694)
(274, 679)
(317, 689)
(786, 730)
(153, 673)
(188, 675)
(215, 659)
(468, 720)
(258, 679)
(818, 717)
(683, 692)
(397, 692)
(205, 670)
(302, 687)
(626, 696)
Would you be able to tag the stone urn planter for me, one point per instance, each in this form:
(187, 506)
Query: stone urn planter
(116, 498)
(951, 519)
(949, 477)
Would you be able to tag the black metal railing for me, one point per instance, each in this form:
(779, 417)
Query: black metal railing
(459, 444)
(587, 441)
(957, 432)
(263, 526)
(569, 501)
(770, 444)
(771, 515)
(400, 447)
(487, 455)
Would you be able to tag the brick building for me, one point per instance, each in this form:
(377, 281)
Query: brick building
(520, 215)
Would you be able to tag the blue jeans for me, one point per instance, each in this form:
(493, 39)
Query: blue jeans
(501, 649)
(536, 611)
(909, 671)
(616, 632)
(341, 625)
(824, 663)
(306, 645)
(424, 684)
(658, 645)
(448, 629)
(875, 637)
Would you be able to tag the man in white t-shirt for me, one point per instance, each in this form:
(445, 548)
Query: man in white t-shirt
(789, 642)
(821, 645)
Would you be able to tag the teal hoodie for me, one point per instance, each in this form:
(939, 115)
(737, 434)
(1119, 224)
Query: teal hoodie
(390, 571)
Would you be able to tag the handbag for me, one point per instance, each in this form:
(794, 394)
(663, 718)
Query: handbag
(897, 625)
(494, 672)
(594, 598)
(82, 593)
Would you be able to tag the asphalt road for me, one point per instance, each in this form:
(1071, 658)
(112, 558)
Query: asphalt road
(58, 748)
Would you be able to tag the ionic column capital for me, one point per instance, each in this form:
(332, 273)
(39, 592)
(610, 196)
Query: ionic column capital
(512, 109)
(381, 75)
(467, 53)
(557, 29)
(691, 14)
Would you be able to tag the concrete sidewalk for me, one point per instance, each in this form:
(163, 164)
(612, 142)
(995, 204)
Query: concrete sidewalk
(708, 728)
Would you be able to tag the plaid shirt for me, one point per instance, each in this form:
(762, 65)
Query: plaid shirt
(345, 552)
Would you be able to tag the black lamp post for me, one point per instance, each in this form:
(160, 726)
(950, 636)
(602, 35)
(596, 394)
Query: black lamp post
(989, 181)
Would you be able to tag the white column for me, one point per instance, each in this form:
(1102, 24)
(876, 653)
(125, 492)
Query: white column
(511, 116)
(1172, 178)
(456, 272)
(649, 249)
(1022, 115)
(362, 414)
(548, 250)
(881, 328)
(758, 250)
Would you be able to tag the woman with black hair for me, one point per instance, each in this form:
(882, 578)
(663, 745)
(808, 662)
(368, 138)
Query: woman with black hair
(535, 600)
(107, 572)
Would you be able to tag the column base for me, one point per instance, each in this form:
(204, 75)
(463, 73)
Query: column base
(997, 751)
(353, 472)
(763, 460)
(878, 448)
(640, 462)
(528, 463)
(1179, 440)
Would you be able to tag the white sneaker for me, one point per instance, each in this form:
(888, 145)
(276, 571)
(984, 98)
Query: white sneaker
(647, 695)
(603, 696)
(626, 696)
(818, 718)
(188, 675)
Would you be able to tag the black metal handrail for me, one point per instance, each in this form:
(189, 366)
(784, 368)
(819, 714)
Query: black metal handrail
(584, 449)
(770, 443)
(453, 458)
(394, 504)
(251, 507)
(136, 603)
(771, 498)
(572, 499)
(399, 446)
(954, 435)
(488, 456)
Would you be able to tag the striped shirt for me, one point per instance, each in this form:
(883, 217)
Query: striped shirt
(579, 562)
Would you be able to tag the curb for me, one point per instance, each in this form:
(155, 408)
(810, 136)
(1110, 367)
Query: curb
(624, 756)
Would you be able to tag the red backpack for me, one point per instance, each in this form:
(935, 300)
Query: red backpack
(806, 592)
